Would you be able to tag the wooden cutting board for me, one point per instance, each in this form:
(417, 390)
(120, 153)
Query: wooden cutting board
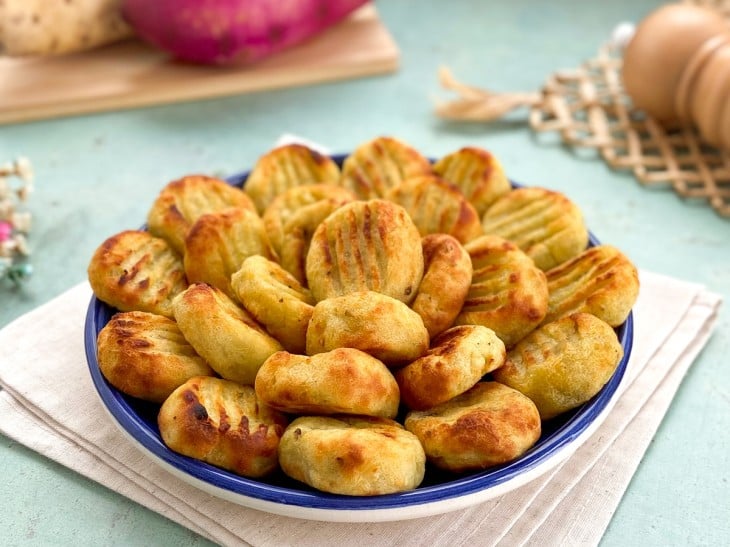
(131, 74)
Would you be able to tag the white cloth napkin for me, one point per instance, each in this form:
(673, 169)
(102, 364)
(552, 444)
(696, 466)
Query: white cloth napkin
(49, 404)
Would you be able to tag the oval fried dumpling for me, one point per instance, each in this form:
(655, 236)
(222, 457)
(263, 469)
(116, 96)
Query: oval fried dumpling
(146, 356)
(508, 293)
(544, 224)
(218, 243)
(286, 167)
(380, 164)
(222, 423)
(351, 455)
(341, 381)
(135, 271)
(276, 300)
(182, 201)
(297, 199)
(477, 173)
(437, 207)
(298, 231)
(457, 359)
(372, 322)
(490, 424)
(445, 284)
(366, 245)
(225, 335)
(601, 281)
(562, 364)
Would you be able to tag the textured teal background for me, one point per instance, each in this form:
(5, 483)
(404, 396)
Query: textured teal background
(98, 174)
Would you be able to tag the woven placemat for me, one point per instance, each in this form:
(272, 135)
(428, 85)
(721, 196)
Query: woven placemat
(589, 108)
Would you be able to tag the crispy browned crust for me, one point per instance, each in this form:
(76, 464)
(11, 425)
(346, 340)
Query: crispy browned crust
(341, 381)
(224, 334)
(350, 455)
(490, 424)
(437, 207)
(372, 322)
(508, 293)
(366, 245)
(218, 243)
(457, 359)
(545, 224)
(134, 271)
(563, 364)
(182, 201)
(380, 164)
(146, 356)
(286, 167)
(222, 423)
(445, 284)
(477, 173)
(601, 281)
(276, 300)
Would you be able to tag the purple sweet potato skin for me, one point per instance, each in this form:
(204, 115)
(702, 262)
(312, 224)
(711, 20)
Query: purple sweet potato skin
(232, 31)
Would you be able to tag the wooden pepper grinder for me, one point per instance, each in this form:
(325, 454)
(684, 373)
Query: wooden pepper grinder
(677, 69)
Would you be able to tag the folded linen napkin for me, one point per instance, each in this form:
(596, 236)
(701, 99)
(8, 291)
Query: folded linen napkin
(51, 407)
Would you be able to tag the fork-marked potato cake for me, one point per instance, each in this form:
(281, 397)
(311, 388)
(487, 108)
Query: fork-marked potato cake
(182, 201)
(544, 224)
(378, 165)
(508, 293)
(437, 207)
(562, 364)
(218, 243)
(366, 245)
(135, 271)
(222, 423)
(286, 167)
(276, 299)
(146, 356)
(225, 335)
(477, 173)
(601, 281)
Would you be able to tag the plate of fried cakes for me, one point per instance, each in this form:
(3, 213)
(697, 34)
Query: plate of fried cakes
(366, 337)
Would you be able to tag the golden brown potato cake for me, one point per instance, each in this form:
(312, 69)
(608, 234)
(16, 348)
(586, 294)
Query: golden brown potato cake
(353, 456)
(222, 423)
(366, 245)
(295, 200)
(218, 243)
(276, 300)
(457, 359)
(490, 424)
(562, 364)
(146, 356)
(286, 167)
(445, 284)
(437, 207)
(182, 201)
(543, 223)
(372, 322)
(298, 232)
(477, 173)
(380, 164)
(601, 281)
(341, 381)
(135, 271)
(225, 335)
(508, 293)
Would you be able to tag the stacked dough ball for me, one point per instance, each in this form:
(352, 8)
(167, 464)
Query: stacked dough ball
(290, 324)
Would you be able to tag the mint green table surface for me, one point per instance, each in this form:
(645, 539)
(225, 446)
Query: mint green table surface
(98, 174)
